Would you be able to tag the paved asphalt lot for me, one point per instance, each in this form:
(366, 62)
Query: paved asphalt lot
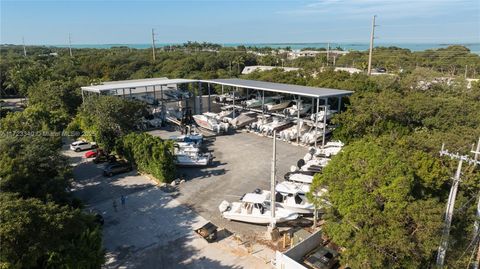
(153, 230)
(242, 163)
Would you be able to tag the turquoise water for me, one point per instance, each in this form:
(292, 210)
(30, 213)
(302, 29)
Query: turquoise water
(474, 47)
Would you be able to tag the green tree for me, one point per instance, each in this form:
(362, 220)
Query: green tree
(34, 167)
(376, 212)
(151, 154)
(106, 118)
(45, 235)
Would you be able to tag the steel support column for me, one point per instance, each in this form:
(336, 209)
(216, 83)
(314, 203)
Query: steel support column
(209, 98)
(200, 97)
(298, 119)
(316, 121)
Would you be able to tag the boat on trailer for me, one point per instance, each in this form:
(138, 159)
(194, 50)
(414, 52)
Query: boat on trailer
(292, 200)
(253, 209)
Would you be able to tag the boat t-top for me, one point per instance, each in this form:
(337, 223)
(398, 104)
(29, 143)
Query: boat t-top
(253, 209)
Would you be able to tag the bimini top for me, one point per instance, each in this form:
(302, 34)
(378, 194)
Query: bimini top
(280, 87)
(254, 198)
(135, 83)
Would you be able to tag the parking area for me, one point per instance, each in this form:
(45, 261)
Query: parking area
(242, 163)
(153, 229)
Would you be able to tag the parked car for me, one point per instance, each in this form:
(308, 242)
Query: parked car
(381, 70)
(82, 145)
(93, 153)
(117, 168)
(101, 158)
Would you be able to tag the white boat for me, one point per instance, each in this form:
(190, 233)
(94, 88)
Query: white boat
(321, 114)
(257, 101)
(253, 209)
(315, 165)
(298, 105)
(289, 187)
(229, 97)
(192, 159)
(188, 154)
(292, 132)
(244, 119)
(227, 113)
(208, 121)
(261, 120)
(277, 123)
(189, 138)
(277, 103)
(313, 135)
(293, 201)
(330, 149)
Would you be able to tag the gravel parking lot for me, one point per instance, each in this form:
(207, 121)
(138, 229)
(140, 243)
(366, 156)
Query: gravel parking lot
(153, 230)
(242, 163)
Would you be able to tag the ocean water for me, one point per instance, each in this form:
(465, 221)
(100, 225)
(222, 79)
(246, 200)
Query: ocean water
(474, 47)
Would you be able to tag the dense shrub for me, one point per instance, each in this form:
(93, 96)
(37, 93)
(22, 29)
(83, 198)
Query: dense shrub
(151, 154)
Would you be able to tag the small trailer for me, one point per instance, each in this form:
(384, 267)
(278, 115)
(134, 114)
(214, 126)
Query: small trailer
(208, 231)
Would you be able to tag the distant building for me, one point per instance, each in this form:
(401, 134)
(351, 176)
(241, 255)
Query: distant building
(253, 68)
(351, 70)
(313, 53)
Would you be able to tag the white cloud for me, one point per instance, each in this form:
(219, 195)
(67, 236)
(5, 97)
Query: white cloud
(393, 9)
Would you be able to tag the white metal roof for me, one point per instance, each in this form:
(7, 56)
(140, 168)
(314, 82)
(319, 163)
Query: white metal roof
(128, 84)
(280, 87)
(254, 198)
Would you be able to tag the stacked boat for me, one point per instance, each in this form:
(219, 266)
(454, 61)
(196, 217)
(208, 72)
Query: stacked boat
(187, 151)
(211, 122)
(290, 195)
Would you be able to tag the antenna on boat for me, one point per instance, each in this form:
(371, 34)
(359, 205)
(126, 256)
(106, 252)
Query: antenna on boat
(442, 249)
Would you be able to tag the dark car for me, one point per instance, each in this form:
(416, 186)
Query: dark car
(381, 70)
(105, 158)
(117, 168)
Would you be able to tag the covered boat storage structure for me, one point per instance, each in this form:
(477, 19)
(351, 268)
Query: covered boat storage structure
(154, 89)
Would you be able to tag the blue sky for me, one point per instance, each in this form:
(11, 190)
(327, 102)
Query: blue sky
(244, 21)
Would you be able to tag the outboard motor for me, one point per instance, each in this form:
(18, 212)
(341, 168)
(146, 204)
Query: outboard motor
(224, 206)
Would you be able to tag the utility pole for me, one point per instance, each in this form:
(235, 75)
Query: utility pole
(466, 71)
(372, 36)
(272, 232)
(442, 249)
(70, 44)
(476, 226)
(328, 52)
(153, 44)
(24, 48)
